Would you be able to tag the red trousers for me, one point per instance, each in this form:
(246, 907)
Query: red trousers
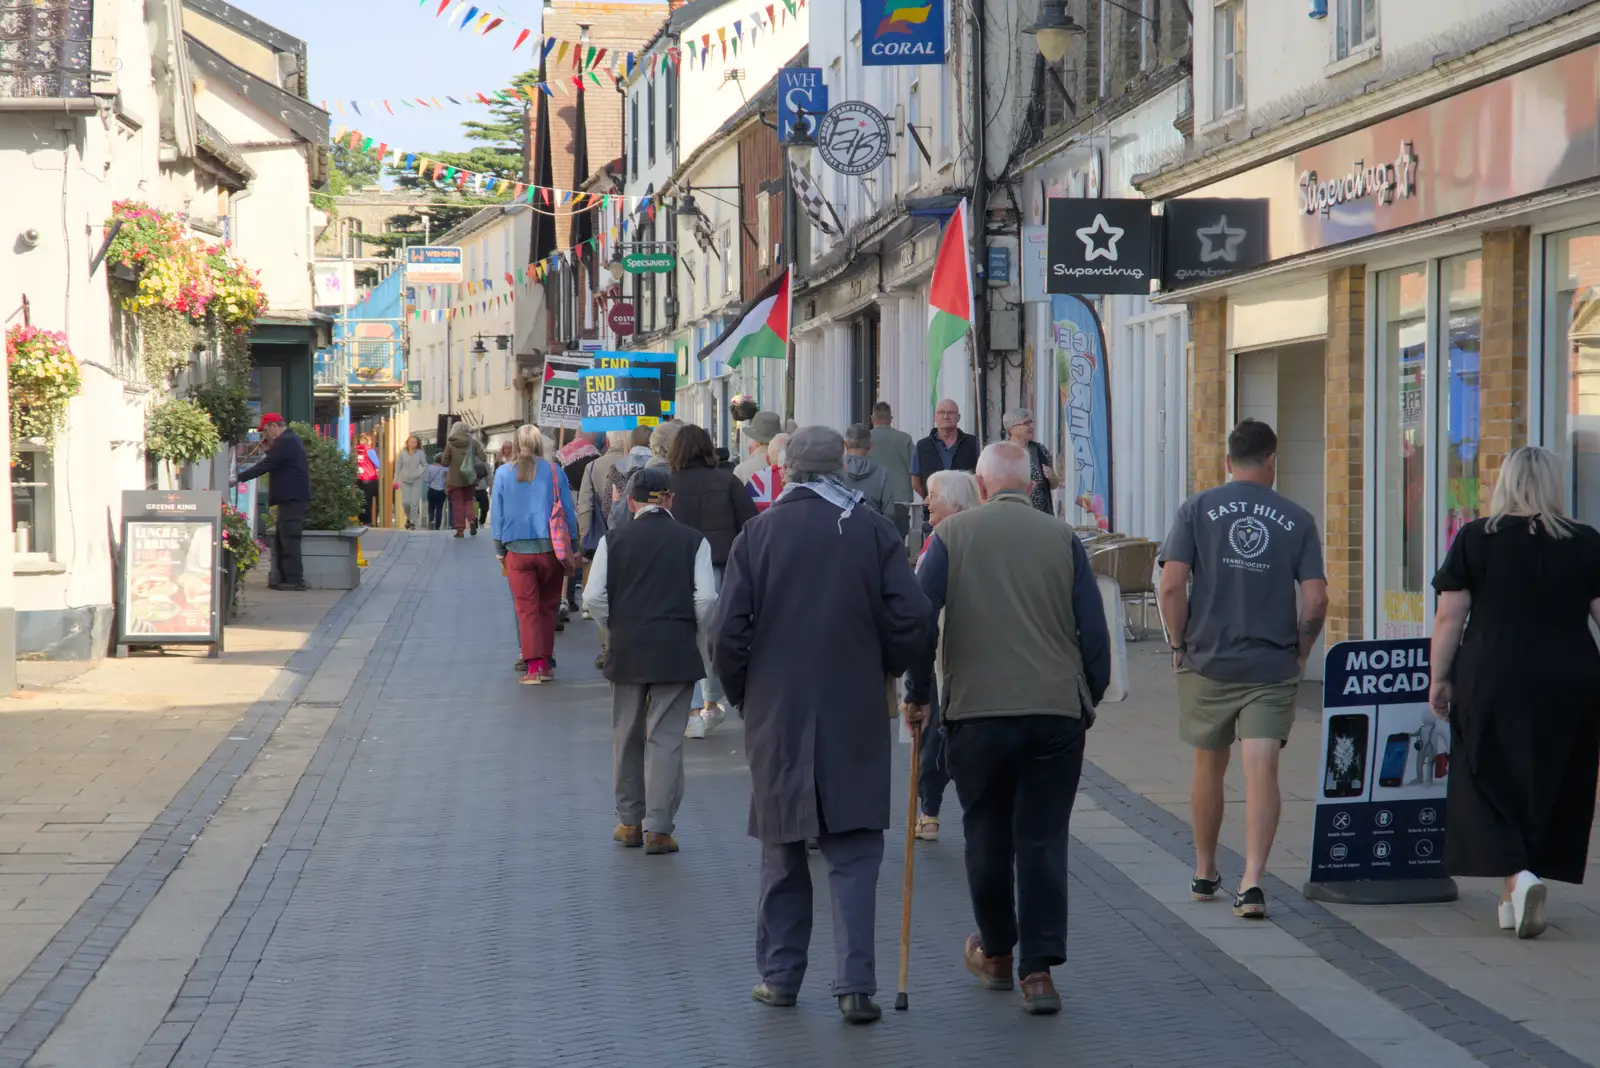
(536, 584)
(463, 506)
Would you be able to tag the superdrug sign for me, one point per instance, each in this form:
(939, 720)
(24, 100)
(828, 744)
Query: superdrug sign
(1386, 181)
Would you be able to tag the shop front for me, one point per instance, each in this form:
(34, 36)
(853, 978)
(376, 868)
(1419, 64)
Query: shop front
(1145, 342)
(1428, 299)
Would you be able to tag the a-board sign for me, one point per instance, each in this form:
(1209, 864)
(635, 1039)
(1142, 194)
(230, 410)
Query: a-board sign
(1384, 765)
(664, 362)
(558, 397)
(167, 588)
(619, 398)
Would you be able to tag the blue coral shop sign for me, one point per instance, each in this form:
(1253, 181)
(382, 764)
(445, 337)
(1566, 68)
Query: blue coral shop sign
(902, 33)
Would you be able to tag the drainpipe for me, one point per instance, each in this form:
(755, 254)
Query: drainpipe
(980, 212)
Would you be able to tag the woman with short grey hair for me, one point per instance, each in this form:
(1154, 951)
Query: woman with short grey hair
(1520, 688)
(1018, 425)
(949, 492)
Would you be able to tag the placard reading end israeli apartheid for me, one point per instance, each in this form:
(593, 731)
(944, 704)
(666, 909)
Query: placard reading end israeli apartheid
(664, 362)
(619, 398)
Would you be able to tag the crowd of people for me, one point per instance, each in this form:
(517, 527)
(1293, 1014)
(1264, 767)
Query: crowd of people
(791, 590)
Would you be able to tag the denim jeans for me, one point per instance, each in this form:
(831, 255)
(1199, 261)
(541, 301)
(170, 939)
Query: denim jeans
(933, 773)
(1017, 777)
(710, 689)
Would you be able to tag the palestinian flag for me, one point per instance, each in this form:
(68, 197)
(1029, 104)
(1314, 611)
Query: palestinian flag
(762, 331)
(949, 295)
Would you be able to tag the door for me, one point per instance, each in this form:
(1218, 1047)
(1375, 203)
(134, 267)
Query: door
(864, 366)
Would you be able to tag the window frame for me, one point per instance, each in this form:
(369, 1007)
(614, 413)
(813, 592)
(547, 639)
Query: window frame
(1221, 12)
(1344, 48)
(633, 135)
(650, 119)
(43, 503)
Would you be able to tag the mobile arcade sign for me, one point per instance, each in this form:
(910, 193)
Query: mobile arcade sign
(1380, 819)
(619, 398)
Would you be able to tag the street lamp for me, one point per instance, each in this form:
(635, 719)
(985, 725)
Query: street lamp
(1054, 30)
(501, 342)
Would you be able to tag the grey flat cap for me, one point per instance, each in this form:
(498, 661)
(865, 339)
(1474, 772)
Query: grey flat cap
(763, 427)
(815, 450)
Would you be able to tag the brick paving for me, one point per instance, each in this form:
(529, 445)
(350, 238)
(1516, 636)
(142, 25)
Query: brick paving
(442, 889)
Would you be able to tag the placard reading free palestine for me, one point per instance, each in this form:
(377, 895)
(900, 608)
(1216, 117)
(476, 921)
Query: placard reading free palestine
(619, 398)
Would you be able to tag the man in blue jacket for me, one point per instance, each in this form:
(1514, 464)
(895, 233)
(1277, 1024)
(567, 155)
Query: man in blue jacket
(1027, 656)
(289, 490)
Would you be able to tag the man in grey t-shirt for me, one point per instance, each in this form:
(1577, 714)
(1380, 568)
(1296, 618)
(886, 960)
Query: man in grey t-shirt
(1239, 644)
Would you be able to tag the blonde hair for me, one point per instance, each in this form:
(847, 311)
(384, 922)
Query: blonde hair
(778, 450)
(662, 436)
(958, 489)
(530, 447)
(1530, 486)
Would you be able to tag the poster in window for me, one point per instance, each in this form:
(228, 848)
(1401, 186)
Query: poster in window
(167, 583)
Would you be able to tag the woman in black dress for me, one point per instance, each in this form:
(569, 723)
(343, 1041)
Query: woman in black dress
(1521, 689)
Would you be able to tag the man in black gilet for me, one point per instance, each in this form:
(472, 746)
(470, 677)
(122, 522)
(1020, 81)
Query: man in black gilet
(651, 585)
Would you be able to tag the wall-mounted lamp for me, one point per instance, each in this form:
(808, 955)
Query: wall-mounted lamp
(1054, 30)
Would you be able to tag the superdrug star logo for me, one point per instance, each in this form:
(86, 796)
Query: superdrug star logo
(1100, 240)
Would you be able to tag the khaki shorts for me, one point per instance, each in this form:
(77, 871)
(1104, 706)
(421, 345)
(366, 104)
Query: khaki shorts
(1211, 714)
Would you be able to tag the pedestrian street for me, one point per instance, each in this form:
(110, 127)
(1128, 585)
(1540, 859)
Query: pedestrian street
(443, 890)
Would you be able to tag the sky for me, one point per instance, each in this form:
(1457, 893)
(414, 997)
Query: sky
(384, 49)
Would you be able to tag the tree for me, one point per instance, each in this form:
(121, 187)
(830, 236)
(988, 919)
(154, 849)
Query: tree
(491, 162)
(348, 170)
(508, 129)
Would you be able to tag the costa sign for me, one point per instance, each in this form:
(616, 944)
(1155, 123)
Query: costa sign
(621, 318)
(1386, 181)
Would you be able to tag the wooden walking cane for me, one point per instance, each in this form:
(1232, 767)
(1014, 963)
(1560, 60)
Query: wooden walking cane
(900, 1001)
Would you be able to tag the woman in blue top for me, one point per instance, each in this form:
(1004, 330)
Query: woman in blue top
(533, 556)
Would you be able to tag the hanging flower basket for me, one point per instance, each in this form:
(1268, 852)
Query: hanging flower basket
(43, 377)
(177, 285)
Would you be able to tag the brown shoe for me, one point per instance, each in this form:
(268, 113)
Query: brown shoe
(628, 834)
(1039, 997)
(656, 843)
(993, 972)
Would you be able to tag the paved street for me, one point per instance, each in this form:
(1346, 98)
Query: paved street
(416, 869)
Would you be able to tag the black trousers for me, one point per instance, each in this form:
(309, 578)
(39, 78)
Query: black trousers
(482, 497)
(369, 501)
(436, 499)
(286, 569)
(933, 774)
(1017, 777)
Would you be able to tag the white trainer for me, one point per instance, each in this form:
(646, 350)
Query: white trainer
(1508, 916)
(1527, 903)
(696, 727)
(711, 718)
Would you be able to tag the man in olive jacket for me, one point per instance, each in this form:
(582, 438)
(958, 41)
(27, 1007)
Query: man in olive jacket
(1027, 656)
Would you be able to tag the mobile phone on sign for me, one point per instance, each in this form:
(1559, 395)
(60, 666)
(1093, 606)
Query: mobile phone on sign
(1395, 751)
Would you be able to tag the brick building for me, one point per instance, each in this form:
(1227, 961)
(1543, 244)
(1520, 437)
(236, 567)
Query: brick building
(1430, 279)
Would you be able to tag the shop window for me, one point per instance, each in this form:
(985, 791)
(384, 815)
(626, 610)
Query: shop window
(1402, 453)
(633, 135)
(1227, 58)
(650, 122)
(1355, 27)
(1460, 297)
(33, 504)
(1572, 365)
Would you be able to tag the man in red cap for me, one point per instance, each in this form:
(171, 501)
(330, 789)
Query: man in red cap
(289, 489)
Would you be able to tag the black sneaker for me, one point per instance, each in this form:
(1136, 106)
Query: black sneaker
(1205, 889)
(1251, 904)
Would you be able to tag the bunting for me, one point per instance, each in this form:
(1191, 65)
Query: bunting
(463, 17)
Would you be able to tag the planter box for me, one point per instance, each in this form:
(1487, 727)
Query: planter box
(329, 557)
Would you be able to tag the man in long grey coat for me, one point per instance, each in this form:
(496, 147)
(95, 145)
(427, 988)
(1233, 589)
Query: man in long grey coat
(819, 609)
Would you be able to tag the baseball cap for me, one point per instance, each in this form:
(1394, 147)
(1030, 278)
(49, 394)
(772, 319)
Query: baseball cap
(269, 418)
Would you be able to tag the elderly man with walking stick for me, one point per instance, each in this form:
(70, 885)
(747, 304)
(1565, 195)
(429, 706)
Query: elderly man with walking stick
(1027, 656)
(819, 610)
